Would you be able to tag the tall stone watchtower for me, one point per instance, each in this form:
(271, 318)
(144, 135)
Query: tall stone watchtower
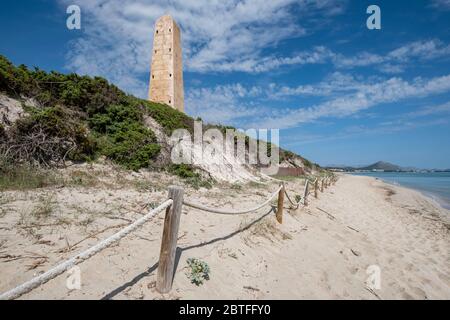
(166, 75)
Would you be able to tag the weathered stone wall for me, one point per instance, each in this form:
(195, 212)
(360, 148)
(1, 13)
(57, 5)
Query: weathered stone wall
(166, 76)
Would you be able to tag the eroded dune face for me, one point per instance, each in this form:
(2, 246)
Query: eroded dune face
(211, 158)
(10, 110)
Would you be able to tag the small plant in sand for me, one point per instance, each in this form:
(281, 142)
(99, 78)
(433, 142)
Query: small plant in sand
(298, 198)
(45, 207)
(236, 186)
(199, 271)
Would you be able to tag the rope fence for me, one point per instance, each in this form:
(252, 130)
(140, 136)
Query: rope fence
(64, 266)
(173, 207)
(228, 212)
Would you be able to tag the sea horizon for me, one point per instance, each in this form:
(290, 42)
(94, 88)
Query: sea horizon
(432, 184)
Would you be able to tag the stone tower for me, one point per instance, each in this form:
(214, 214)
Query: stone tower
(166, 75)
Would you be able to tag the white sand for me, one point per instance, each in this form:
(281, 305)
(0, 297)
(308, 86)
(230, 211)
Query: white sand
(319, 252)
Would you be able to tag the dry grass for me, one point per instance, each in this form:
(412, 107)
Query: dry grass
(83, 178)
(25, 177)
(44, 208)
(266, 228)
(4, 199)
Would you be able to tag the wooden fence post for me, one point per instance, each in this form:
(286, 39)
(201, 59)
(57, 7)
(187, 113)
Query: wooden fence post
(279, 214)
(321, 185)
(305, 194)
(316, 187)
(169, 241)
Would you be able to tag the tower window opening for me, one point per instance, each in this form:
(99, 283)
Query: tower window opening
(170, 49)
(170, 75)
(170, 101)
(153, 77)
(170, 30)
(156, 31)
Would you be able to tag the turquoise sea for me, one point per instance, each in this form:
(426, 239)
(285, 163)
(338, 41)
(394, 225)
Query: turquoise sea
(434, 184)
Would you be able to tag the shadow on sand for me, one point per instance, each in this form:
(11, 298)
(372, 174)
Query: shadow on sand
(178, 255)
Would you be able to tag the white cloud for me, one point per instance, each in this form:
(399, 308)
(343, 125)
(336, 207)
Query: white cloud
(222, 104)
(345, 96)
(360, 130)
(364, 97)
(430, 111)
(394, 61)
(217, 35)
(441, 4)
(335, 83)
(420, 49)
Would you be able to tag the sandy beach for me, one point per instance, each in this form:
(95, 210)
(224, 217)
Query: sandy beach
(322, 251)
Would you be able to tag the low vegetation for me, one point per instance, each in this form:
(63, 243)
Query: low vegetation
(198, 271)
(15, 176)
(80, 118)
(190, 176)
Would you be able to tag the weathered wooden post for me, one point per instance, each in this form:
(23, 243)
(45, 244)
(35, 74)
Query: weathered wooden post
(321, 184)
(169, 241)
(279, 214)
(316, 187)
(305, 194)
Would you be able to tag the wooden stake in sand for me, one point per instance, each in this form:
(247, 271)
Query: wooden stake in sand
(305, 194)
(316, 187)
(279, 214)
(169, 241)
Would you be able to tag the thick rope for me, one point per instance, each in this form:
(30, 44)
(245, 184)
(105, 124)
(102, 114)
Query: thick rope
(294, 203)
(62, 267)
(219, 211)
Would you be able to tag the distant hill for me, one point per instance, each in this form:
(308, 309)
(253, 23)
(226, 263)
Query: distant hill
(377, 166)
(381, 165)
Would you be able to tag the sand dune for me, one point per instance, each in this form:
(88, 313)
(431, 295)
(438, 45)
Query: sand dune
(319, 252)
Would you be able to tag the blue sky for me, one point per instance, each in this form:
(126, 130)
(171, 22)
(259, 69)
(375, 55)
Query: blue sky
(339, 93)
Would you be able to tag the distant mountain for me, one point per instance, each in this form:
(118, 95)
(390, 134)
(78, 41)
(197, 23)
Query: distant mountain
(381, 165)
(378, 166)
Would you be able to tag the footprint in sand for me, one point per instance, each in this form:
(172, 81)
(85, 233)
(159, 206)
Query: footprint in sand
(354, 270)
(407, 296)
(444, 277)
(431, 261)
(419, 293)
(338, 237)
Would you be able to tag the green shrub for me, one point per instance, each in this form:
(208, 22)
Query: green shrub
(124, 138)
(183, 171)
(307, 163)
(199, 271)
(169, 118)
(188, 174)
(50, 135)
